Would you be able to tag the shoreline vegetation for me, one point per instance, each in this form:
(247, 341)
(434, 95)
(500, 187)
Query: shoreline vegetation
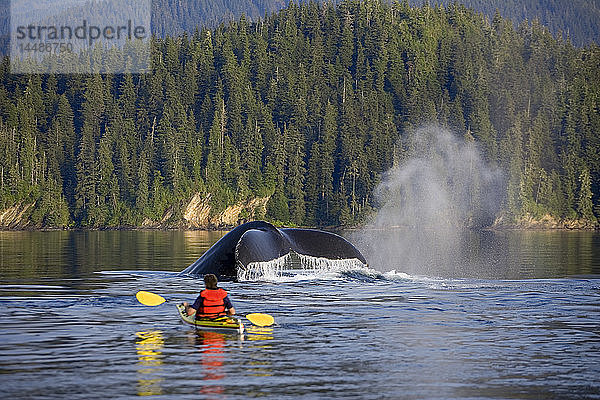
(196, 218)
(296, 118)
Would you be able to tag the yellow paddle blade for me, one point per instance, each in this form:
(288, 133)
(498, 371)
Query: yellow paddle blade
(260, 319)
(148, 298)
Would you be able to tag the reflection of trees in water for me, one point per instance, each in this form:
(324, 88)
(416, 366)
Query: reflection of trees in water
(149, 349)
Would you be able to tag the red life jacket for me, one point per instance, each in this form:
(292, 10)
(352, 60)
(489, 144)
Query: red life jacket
(212, 303)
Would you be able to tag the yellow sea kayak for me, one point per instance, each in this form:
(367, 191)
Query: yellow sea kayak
(220, 324)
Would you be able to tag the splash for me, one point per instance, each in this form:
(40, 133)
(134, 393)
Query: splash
(428, 203)
(294, 267)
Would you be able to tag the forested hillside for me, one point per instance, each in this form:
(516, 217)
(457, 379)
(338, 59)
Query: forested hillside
(173, 17)
(577, 19)
(305, 109)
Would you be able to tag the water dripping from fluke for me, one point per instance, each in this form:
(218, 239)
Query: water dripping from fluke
(294, 267)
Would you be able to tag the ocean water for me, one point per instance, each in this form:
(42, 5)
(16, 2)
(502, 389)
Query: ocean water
(520, 320)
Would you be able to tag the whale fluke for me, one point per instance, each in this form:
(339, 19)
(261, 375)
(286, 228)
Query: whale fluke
(259, 241)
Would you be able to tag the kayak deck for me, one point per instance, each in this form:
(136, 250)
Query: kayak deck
(221, 324)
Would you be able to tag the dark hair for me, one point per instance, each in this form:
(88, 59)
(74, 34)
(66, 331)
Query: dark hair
(210, 280)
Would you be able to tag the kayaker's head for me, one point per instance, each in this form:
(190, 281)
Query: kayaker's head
(210, 281)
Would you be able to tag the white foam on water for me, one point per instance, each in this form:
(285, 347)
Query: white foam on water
(436, 283)
(395, 275)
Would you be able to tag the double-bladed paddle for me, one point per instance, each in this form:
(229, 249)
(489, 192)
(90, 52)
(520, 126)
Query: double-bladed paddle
(153, 299)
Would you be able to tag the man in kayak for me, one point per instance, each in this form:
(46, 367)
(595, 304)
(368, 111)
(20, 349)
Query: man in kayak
(213, 301)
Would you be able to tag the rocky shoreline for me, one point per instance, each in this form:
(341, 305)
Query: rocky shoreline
(198, 215)
(546, 222)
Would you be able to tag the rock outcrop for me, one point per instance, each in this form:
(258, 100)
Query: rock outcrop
(197, 214)
(16, 217)
(546, 221)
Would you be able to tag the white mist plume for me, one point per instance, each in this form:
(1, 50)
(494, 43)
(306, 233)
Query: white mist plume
(442, 187)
